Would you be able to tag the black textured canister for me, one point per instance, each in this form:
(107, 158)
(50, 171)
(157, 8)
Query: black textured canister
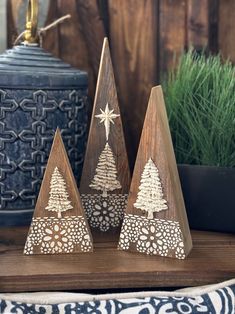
(38, 93)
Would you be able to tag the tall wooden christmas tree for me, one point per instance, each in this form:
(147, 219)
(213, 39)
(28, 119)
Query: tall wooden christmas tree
(59, 223)
(106, 178)
(155, 220)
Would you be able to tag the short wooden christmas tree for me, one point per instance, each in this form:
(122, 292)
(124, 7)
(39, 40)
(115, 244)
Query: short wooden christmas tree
(59, 224)
(155, 220)
(105, 178)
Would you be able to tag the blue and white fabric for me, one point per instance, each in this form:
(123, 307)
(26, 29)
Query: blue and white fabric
(214, 299)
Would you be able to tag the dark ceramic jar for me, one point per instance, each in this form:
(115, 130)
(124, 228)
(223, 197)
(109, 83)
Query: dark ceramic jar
(38, 93)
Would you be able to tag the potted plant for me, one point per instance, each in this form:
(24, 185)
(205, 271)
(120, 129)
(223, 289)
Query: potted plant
(200, 99)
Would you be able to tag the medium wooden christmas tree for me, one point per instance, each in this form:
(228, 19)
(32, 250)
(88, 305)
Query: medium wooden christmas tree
(59, 224)
(105, 178)
(155, 220)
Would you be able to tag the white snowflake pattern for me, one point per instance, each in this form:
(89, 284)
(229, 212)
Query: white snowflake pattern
(57, 240)
(58, 235)
(131, 229)
(152, 236)
(147, 241)
(124, 242)
(104, 213)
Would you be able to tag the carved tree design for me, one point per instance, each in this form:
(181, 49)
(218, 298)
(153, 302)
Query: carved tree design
(150, 195)
(58, 200)
(105, 178)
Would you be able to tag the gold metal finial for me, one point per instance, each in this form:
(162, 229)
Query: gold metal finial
(31, 31)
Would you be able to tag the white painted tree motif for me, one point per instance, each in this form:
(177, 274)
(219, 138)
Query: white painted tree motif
(105, 178)
(58, 200)
(106, 116)
(150, 196)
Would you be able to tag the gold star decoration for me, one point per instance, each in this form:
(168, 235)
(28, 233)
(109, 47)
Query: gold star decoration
(106, 116)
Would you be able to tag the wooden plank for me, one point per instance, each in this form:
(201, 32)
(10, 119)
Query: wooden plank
(50, 39)
(214, 25)
(133, 40)
(172, 33)
(198, 24)
(90, 20)
(155, 203)
(227, 29)
(70, 37)
(212, 260)
(80, 45)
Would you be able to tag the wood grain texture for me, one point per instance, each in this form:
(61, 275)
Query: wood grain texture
(92, 28)
(172, 33)
(133, 41)
(58, 158)
(156, 143)
(50, 39)
(214, 25)
(198, 24)
(105, 94)
(212, 260)
(227, 29)
(147, 38)
(81, 37)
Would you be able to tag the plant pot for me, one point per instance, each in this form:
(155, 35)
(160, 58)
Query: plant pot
(209, 194)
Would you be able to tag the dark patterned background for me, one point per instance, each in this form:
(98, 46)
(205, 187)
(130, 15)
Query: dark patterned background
(28, 120)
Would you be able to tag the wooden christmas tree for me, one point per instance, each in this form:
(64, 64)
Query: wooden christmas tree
(59, 224)
(150, 197)
(105, 178)
(155, 220)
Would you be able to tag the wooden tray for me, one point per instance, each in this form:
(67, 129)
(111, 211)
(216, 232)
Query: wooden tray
(211, 260)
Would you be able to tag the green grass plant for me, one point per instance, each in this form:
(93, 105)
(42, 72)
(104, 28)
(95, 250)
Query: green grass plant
(200, 100)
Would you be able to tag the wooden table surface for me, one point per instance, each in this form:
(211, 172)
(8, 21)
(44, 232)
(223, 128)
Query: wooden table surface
(211, 260)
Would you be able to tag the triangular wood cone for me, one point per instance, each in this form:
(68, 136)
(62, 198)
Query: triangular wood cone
(59, 223)
(155, 220)
(106, 178)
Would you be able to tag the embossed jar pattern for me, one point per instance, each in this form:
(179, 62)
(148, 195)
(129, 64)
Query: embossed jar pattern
(37, 93)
